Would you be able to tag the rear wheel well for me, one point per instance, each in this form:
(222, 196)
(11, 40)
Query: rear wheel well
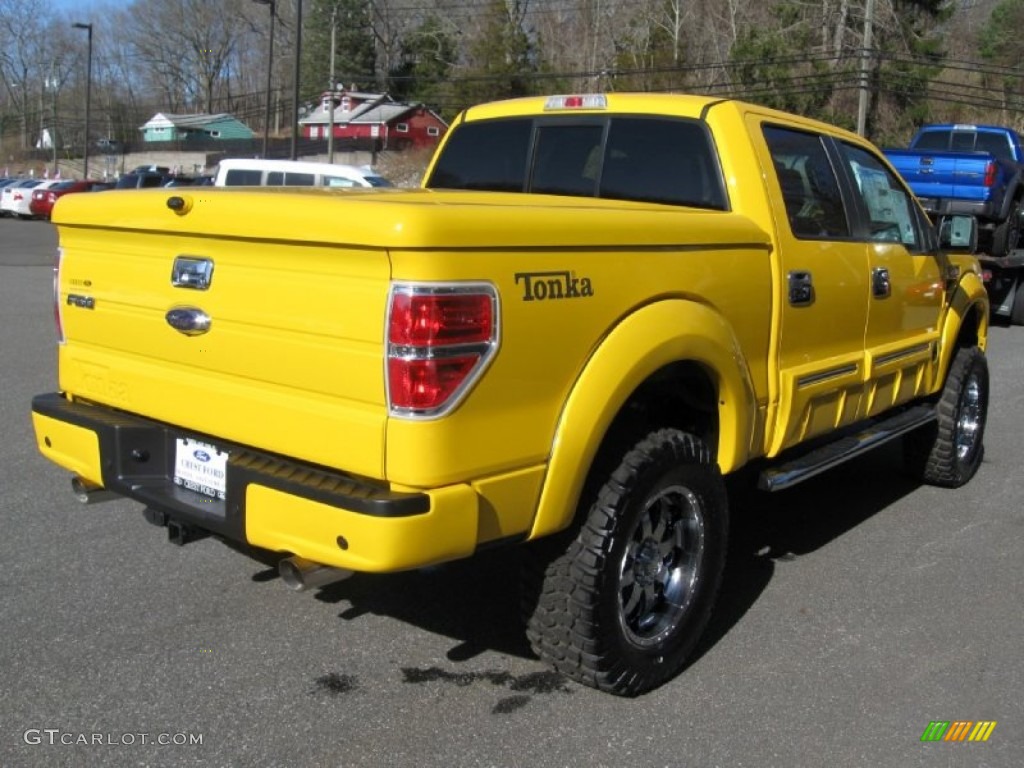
(682, 395)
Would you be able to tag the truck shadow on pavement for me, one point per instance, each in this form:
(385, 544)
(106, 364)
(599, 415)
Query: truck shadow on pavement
(769, 529)
(475, 602)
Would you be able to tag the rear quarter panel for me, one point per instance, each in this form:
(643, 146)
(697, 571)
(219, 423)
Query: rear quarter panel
(621, 257)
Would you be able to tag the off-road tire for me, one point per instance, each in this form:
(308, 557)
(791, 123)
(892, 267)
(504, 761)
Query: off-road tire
(620, 602)
(949, 452)
(1007, 235)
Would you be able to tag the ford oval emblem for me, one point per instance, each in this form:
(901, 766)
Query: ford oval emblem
(191, 321)
(201, 455)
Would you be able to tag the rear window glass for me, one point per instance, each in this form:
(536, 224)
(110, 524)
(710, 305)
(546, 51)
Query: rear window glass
(997, 144)
(660, 160)
(488, 155)
(962, 141)
(932, 140)
(567, 159)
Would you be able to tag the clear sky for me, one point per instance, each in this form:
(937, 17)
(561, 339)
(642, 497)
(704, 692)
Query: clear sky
(83, 9)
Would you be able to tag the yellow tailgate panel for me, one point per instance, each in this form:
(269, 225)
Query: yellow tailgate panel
(292, 362)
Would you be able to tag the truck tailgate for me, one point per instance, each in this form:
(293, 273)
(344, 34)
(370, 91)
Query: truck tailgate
(292, 358)
(934, 174)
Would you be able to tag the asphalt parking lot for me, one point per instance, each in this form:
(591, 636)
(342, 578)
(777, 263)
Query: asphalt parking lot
(858, 608)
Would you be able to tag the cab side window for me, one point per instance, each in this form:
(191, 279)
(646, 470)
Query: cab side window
(890, 210)
(808, 183)
(292, 179)
(240, 177)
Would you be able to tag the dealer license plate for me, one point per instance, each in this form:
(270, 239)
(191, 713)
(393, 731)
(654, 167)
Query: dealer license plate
(200, 467)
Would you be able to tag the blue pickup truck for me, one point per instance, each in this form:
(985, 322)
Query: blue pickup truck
(979, 170)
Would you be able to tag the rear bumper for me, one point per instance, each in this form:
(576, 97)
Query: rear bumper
(270, 501)
(984, 210)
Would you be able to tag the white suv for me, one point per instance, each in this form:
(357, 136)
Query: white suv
(244, 172)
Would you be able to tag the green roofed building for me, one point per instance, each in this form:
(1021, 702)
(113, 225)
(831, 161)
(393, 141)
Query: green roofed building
(164, 127)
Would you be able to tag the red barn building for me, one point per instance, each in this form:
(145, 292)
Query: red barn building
(374, 117)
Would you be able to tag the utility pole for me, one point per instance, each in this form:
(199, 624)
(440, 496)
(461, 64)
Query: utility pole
(54, 83)
(270, 74)
(88, 96)
(295, 87)
(330, 87)
(865, 67)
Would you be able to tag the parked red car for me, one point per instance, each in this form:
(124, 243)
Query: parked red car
(43, 199)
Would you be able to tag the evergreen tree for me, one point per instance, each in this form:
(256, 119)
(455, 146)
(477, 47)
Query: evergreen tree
(354, 59)
(909, 53)
(501, 58)
(1000, 44)
(780, 68)
(429, 53)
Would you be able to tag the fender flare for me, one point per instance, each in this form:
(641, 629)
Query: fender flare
(970, 294)
(641, 344)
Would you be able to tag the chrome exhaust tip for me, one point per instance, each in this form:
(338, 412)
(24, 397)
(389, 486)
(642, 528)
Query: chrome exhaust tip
(87, 493)
(299, 574)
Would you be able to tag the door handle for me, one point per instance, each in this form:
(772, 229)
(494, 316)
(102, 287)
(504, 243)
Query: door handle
(881, 286)
(801, 289)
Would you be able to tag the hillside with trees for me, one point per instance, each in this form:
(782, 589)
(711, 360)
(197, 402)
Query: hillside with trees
(917, 60)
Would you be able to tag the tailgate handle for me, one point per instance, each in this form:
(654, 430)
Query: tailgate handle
(191, 321)
(193, 272)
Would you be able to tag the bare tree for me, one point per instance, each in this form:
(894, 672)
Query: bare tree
(24, 61)
(187, 48)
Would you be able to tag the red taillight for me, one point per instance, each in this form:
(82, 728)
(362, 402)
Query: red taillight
(439, 340)
(435, 319)
(425, 384)
(990, 174)
(58, 318)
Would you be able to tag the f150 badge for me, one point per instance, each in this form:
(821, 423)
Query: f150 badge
(542, 286)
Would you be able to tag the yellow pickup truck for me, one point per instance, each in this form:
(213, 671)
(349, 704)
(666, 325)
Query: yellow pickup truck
(595, 307)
